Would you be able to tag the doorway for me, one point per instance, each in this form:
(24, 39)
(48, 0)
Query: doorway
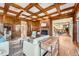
(61, 24)
(7, 31)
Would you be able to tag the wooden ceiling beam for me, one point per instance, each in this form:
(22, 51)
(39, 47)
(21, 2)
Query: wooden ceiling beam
(75, 8)
(67, 9)
(6, 8)
(57, 5)
(53, 6)
(50, 7)
(61, 11)
(29, 6)
(25, 15)
(1, 8)
(41, 9)
(12, 12)
(32, 13)
(18, 14)
(16, 6)
(62, 16)
(25, 9)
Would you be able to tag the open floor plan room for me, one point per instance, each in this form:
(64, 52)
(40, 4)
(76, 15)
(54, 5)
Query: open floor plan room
(39, 29)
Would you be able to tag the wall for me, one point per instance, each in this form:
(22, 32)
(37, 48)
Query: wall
(8, 20)
(32, 25)
(17, 33)
(49, 25)
(1, 24)
(36, 25)
(23, 29)
(77, 26)
(44, 28)
(70, 20)
(78, 31)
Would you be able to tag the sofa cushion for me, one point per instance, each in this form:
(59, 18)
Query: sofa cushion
(2, 39)
(37, 40)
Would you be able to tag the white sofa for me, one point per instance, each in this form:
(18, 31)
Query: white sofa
(33, 49)
(4, 48)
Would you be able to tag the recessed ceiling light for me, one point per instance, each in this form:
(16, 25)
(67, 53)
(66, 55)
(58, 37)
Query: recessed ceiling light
(34, 16)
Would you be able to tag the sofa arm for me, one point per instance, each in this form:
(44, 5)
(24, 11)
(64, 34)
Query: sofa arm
(30, 49)
(5, 47)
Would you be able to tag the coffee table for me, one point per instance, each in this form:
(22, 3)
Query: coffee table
(50, 45)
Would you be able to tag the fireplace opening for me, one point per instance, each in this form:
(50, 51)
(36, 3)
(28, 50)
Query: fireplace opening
(44, 32)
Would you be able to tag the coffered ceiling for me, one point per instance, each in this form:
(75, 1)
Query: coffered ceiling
(38, 10)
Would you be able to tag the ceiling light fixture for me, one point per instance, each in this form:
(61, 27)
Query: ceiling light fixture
(34, 16)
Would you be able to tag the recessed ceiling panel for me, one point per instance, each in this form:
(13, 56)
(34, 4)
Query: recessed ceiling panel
(45, 17)
(34, 9)
(66, 11)
(14, 9)
(54, 15)
(2, 4)
(66, 6)
(28, 18)
(11, 14)
(41, 14)
(34, 16)
(25, 13)
(22, 16)
(23, 4)
(44, 5)
(52, 10)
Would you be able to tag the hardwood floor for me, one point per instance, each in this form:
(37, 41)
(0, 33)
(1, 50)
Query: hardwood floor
(66, 46)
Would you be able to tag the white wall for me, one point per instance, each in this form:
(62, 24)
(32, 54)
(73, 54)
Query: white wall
(1, 27)
(70, 20)
(77, 15)
(77, 27)
(78, 31)
(23, 29)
